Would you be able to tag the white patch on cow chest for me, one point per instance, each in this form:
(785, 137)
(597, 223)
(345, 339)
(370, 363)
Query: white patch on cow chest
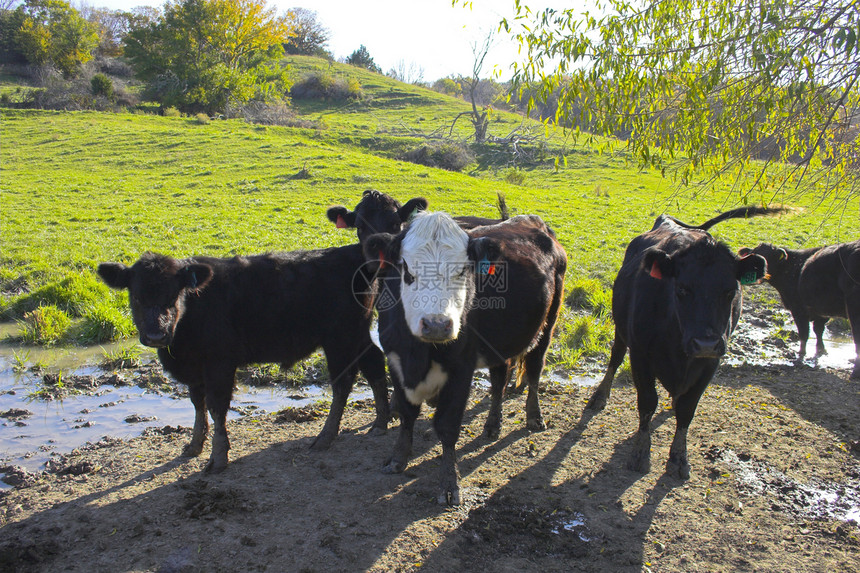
(395, 367)
(429, 387)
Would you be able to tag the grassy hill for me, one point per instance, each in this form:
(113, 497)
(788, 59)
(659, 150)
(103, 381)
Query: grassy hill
(79, 188)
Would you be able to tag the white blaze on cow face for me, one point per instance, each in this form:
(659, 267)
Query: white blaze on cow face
(436, 277)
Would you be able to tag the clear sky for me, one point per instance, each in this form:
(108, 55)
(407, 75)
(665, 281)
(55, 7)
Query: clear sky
(430, 34)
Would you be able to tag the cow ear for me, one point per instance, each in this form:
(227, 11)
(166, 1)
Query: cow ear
(483, 249)
(196, 275)
(782, 254)
(658, 264)
(115, 275)
(340, 216)
(382, 248)
(412, 207)
(751, 269)
(744, 251)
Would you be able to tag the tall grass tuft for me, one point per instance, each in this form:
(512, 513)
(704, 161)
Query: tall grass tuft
(45, 325)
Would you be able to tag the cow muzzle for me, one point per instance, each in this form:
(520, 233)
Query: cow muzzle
(436, 328)
(156, 339)
(706, 347)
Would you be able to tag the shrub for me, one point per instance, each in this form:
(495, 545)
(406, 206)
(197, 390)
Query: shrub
(103, 86)
(449, 156)
(321, 85)
(171, 112)
(45, 325)
(202, 119)
(515, 176)
(273, 114)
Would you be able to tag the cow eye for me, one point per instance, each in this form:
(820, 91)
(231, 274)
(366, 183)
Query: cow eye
(408, 277)
(463, 272)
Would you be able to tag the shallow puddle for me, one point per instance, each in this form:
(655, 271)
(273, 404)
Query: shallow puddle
(45, 428)
(816, 500)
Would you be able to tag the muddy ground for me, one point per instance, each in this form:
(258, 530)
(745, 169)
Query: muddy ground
(558, 500)
(775, 486)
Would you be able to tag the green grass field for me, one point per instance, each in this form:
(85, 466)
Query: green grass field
(79, 188)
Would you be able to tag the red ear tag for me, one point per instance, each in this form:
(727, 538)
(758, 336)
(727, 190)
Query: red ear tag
(341, 224)
(655, 271)
(381, 260)
(491, 270)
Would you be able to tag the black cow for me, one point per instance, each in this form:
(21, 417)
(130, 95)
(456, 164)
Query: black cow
(466, 300)
(675, 302)
(380, 213)
(207, 316)
(815, 285)
(375, 213)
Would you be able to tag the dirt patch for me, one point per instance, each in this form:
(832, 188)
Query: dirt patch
(558, 500)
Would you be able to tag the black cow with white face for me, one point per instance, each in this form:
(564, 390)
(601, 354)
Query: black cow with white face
(465, 300)
(207, 316)
(815, 285)
(675, 302)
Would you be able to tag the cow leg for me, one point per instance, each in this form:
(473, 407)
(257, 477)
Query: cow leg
(219, 392)
(403, 447)
(802, 323)
(685, 407)
(201, 422)
(852, 308)
(534, 360)
(342, 374)
(818, 323)
(372, 366)
(646, 396)
(601, 394)
(498, 383)
(447, 421)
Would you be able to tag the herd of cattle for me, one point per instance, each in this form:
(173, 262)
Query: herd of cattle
(456, 294)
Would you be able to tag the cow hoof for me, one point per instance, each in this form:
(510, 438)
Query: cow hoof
(449, 497)
(640, 463)
(536, 425)
(393, 467)
(597, 402)
(377, 431)
(322, 443)
(191, 451)
(492, 432)
(855, 375)
(679, 469)
(215, 466)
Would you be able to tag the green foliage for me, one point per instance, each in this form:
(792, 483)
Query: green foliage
(103, 86)
(202, 119)
(704, 88)
(171, 112)
(11, 22)
(210, 55)
(515, 176)
(361, 58)
(45, 325)
(52, 32)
